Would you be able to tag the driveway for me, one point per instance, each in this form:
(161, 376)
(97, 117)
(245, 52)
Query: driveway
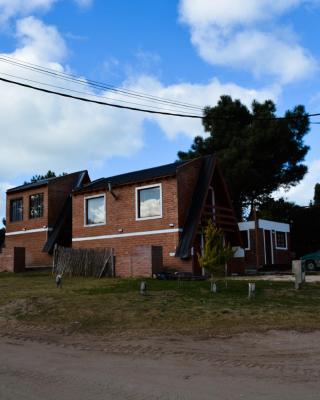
(276, 365)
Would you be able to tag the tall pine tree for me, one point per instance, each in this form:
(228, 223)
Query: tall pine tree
(257, 152)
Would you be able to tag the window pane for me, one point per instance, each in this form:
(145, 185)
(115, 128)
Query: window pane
(36, 206)
(149, 203)
(281, 239)
(95, 210)
(16, 210)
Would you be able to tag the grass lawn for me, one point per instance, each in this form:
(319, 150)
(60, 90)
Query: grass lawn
(110, 306)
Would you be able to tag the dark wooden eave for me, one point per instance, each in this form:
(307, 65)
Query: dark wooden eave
(197, 205)
(223, 216)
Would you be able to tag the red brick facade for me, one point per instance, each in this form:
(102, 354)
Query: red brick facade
(142, 246)
(33, 233)
(121, 220)
(124, 232)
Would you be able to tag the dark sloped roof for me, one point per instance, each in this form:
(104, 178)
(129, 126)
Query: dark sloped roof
(79, 175)
(198, 200)
(59, 225)
(65, 214)
(133, 177)
(41, 182)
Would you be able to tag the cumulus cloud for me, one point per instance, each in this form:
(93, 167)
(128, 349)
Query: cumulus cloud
(201, 94)
(84, 3)
(11, 8)
(242, 34)
(303, 193)
(44, 131)
(38, 42)
(4, 186)
(41, 131)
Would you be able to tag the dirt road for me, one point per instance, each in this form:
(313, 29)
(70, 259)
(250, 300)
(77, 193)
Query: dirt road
(276, 365)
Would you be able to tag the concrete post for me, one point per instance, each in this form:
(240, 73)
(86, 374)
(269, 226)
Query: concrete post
(299, 273)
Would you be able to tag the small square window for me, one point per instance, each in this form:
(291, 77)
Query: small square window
(16, 210)
(281, 241)
(36, 206)
(149, 202)
(95, 210)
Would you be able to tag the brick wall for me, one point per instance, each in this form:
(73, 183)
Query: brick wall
(124, 247)
(54, 197)
(33, 243)
(12, 259)
(121, 213)
(144, 261)
(27, 223)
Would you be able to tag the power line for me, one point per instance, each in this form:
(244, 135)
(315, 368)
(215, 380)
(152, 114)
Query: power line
(91, 94)
(160, 111)
(95, 84)
(97, 101)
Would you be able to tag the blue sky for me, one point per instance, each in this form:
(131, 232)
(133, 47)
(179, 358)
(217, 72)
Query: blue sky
(191, 51)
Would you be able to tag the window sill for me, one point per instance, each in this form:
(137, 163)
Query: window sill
(93, 225)
(147, 218)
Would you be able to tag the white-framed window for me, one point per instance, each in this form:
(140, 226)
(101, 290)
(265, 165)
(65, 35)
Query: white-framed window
(95, 210)
(149, 202)
(245, 236)
(281, 240)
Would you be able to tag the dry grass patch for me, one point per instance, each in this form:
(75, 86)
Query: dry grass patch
(88, 305)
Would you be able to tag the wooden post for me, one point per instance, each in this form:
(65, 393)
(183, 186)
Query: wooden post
(256, 228)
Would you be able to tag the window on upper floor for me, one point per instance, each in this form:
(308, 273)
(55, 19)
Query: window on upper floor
(148, 202)
(36, 206)
(16, 210)
(95, 210)
(281, 240)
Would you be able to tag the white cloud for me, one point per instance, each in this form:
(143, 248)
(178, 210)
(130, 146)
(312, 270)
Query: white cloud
(230, 33)
(226, 13)
(38, 42)
(41, 131)
(4, 186)
(11, 8)
(304, 191)
(200, 94)
(84, 3)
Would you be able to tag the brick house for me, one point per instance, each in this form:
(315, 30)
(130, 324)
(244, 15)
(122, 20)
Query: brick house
(38, 215)
(265, 243)
(155, 213)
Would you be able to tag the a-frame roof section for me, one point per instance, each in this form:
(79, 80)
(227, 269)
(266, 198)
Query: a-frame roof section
(197, 204)
(65, 214)
(210, 168)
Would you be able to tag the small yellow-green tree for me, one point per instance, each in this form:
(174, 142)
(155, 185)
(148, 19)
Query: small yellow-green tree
(216, 252)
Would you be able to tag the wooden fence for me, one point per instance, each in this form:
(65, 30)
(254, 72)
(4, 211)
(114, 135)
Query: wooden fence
(83, 262)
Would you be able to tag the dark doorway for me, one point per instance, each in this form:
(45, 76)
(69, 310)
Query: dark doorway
(268, 247)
